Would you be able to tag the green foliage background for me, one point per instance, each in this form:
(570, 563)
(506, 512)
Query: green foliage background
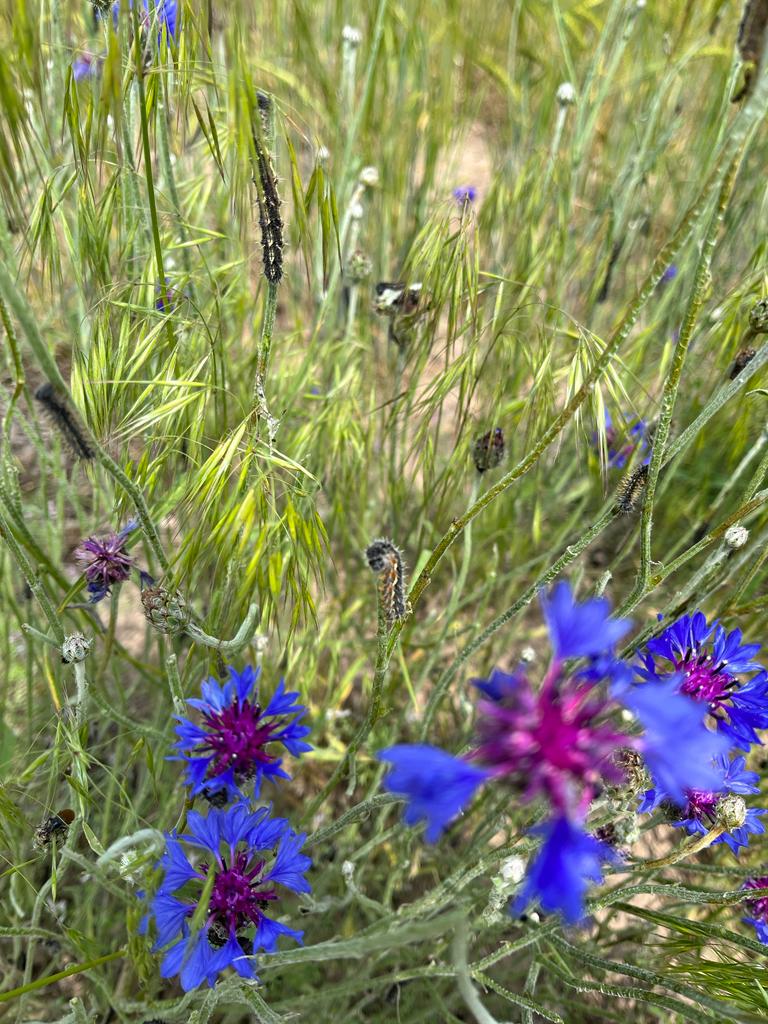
(545, 309)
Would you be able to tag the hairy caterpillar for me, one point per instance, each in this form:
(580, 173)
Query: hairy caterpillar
(630, 490)
(387, 562)
(65, 419)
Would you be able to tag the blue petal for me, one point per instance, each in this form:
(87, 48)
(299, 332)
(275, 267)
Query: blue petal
(269, 931)
(290, 864)
(170, 915)
(205, 831)
(677, 747)
(233, 955)
(558, 878)
(580, 630)
(437, 785)
(174, 862)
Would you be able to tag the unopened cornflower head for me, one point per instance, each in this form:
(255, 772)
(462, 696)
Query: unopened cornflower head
(715, 668)
(106, 561)
(166, 610)
(239, 740)
(560, 742)
(702, 809)
(253, 857)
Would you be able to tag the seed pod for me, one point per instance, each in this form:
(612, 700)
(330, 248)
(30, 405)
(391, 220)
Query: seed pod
(488, 450)
(742, 359)
(56, 827)
(630, 489)
(731, 811)
(60, 414)
(359, 267)
(166, 611)
(386, 561)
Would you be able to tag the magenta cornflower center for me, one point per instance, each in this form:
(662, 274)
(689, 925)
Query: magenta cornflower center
(704, 680)
(236, 898)
(701, 804)
(237, 737)
(759, 907)
(549, 741)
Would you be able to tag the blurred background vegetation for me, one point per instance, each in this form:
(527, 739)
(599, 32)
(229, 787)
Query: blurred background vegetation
(131, 249)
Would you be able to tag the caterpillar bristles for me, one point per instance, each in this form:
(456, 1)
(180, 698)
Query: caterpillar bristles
(387, 562)
(630, 489)
(63, 417)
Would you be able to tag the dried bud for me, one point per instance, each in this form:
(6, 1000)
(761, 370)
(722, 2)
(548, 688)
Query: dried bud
(731, 811)
(488, 450)
(168, 612)
(359, 267)
(566, 94)
(745, 356)
(736, 536)
(633, 767)
(758, 317)
(75, 648)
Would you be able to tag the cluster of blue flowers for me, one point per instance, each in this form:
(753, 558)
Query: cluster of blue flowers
(559, 743)
(250, 854)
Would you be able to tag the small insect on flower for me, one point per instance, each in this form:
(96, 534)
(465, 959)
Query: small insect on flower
(55, 827)
(387, 561)
(235, 744)
(488, 450)
(251, 857)
(743, 358)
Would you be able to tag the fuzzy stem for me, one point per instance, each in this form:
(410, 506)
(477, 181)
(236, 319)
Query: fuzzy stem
(33, 580)
(243, 636)
(700, 843)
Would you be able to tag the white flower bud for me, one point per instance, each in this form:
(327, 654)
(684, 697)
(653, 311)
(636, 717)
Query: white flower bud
(527, 655)
(369, 176)
(736, 536)
(731, 811)
(351, 35)
(323, 155)
(513, 869)
(566, 94)
(75, 648)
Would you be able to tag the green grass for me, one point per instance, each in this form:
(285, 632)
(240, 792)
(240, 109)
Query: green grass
(544, 309)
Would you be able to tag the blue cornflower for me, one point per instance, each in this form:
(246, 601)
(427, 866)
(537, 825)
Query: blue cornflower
(700, 806)
(230, 747)
(465, 194)
(105, 561)
(581, 630)
(622, 443)
(250, 854)
(437, 785)
(676, 745)
(759, 907)
(708, 661)
(87, 65)
(568, 860)
(166, 12)
(669, 274)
